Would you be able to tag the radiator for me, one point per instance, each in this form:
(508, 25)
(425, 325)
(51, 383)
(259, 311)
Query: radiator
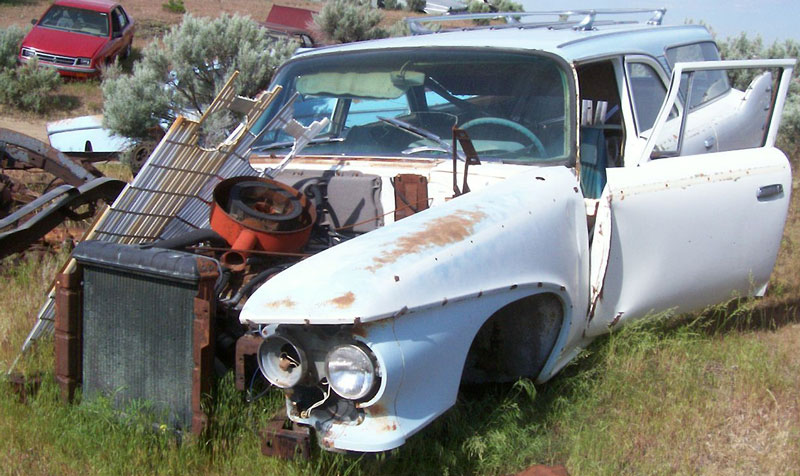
(146, 329)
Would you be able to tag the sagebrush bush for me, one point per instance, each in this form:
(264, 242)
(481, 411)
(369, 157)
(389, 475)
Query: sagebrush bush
(391, 5)
(10, 39)
(182, 72)
(174, 6)
(28, 86)
(479, 6)
(345, 21)
(415, 5)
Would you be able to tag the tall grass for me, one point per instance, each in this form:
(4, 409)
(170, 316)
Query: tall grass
(657, 397)
(713, 393)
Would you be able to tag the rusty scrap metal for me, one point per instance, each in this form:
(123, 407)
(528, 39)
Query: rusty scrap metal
(69, 334)
(170, 195)
(410, 194)
(203, 352)
(25, 386)
(57, 205)
(282, 438)
(246, 351)
(19, 151)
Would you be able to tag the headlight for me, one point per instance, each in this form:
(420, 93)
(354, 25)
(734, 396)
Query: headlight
(351, 371)
(282, 361)
(84, 61)
(28, 53)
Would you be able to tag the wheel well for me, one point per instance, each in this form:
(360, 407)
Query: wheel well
(515, 341)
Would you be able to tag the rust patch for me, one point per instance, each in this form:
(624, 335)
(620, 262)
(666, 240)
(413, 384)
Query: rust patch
(439, 232)
(376, 410)
(343, 301)
(282, 303)
(389, 427)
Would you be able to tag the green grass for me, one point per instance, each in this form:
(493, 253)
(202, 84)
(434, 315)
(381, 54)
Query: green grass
(715, 393)
(692, 396)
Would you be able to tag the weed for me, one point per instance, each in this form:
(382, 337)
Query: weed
(174, 6)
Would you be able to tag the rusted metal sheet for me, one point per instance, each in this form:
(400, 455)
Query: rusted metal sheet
(410, 195)
(283, 439)
(203, 352)
(246, 350)
(68, 335)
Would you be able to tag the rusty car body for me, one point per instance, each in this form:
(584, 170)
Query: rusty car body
(606, 191)
(482, 204)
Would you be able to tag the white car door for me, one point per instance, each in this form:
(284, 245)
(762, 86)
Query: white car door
(691, 229)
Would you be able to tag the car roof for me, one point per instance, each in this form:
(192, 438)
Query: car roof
(97, 5)
(571, 44)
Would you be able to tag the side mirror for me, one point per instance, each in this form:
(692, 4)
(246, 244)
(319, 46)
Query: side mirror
(33, 22)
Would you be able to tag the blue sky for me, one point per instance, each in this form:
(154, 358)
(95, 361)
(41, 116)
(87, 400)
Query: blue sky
(772, 19)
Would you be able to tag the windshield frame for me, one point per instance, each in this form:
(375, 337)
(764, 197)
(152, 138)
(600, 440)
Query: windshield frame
(285, 72)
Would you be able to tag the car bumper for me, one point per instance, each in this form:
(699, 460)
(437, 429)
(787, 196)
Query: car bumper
(71, 71)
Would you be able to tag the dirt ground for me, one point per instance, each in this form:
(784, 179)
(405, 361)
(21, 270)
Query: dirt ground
(152, 20)
(34, 128)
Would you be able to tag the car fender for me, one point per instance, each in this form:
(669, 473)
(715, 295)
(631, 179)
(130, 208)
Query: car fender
(418, 291)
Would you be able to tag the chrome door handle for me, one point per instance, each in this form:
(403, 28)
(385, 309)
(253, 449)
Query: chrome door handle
(769, 191)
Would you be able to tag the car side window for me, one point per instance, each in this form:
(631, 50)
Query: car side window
(118, 20)
(647, 93)
(707, 85)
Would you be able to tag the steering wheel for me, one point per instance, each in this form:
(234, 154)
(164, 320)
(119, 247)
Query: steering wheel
(499, 121)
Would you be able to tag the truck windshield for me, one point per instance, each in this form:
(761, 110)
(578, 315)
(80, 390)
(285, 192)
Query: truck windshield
(512, 105)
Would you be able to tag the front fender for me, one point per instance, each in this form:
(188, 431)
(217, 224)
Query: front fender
(420, 289)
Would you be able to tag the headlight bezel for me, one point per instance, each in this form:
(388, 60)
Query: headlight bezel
(268, 359)
(372, 377)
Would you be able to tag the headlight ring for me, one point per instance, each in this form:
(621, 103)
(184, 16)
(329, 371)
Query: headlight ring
(282, 361)
(351, 371)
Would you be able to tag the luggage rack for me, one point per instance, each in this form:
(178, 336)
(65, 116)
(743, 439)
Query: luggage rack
(587, 21)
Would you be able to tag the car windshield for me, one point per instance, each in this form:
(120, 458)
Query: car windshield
(76, 20)
(512, 105)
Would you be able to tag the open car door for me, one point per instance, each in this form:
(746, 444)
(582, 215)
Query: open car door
(696, 220)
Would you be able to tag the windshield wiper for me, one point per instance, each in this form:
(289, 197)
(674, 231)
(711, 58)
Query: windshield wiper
(420, 132)
(287, 144)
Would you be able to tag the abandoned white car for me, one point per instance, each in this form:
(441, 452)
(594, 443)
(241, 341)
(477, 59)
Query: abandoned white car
(463, 206)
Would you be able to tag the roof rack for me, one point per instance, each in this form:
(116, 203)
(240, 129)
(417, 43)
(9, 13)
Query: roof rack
(517, 19)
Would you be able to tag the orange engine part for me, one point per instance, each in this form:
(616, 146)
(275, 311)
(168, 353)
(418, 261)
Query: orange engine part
(254, 213)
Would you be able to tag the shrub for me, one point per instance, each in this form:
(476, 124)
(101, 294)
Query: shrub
(28, 86)
(344, 21)
(479, 6)
(182, 72)
(391, 5)
(174, 6)
(415, 5)
(10, 39)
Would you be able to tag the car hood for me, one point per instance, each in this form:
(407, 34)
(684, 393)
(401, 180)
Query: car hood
(64, 43)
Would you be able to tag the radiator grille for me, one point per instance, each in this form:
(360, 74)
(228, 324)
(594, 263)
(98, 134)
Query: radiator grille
(138, 328)
(50, 58)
